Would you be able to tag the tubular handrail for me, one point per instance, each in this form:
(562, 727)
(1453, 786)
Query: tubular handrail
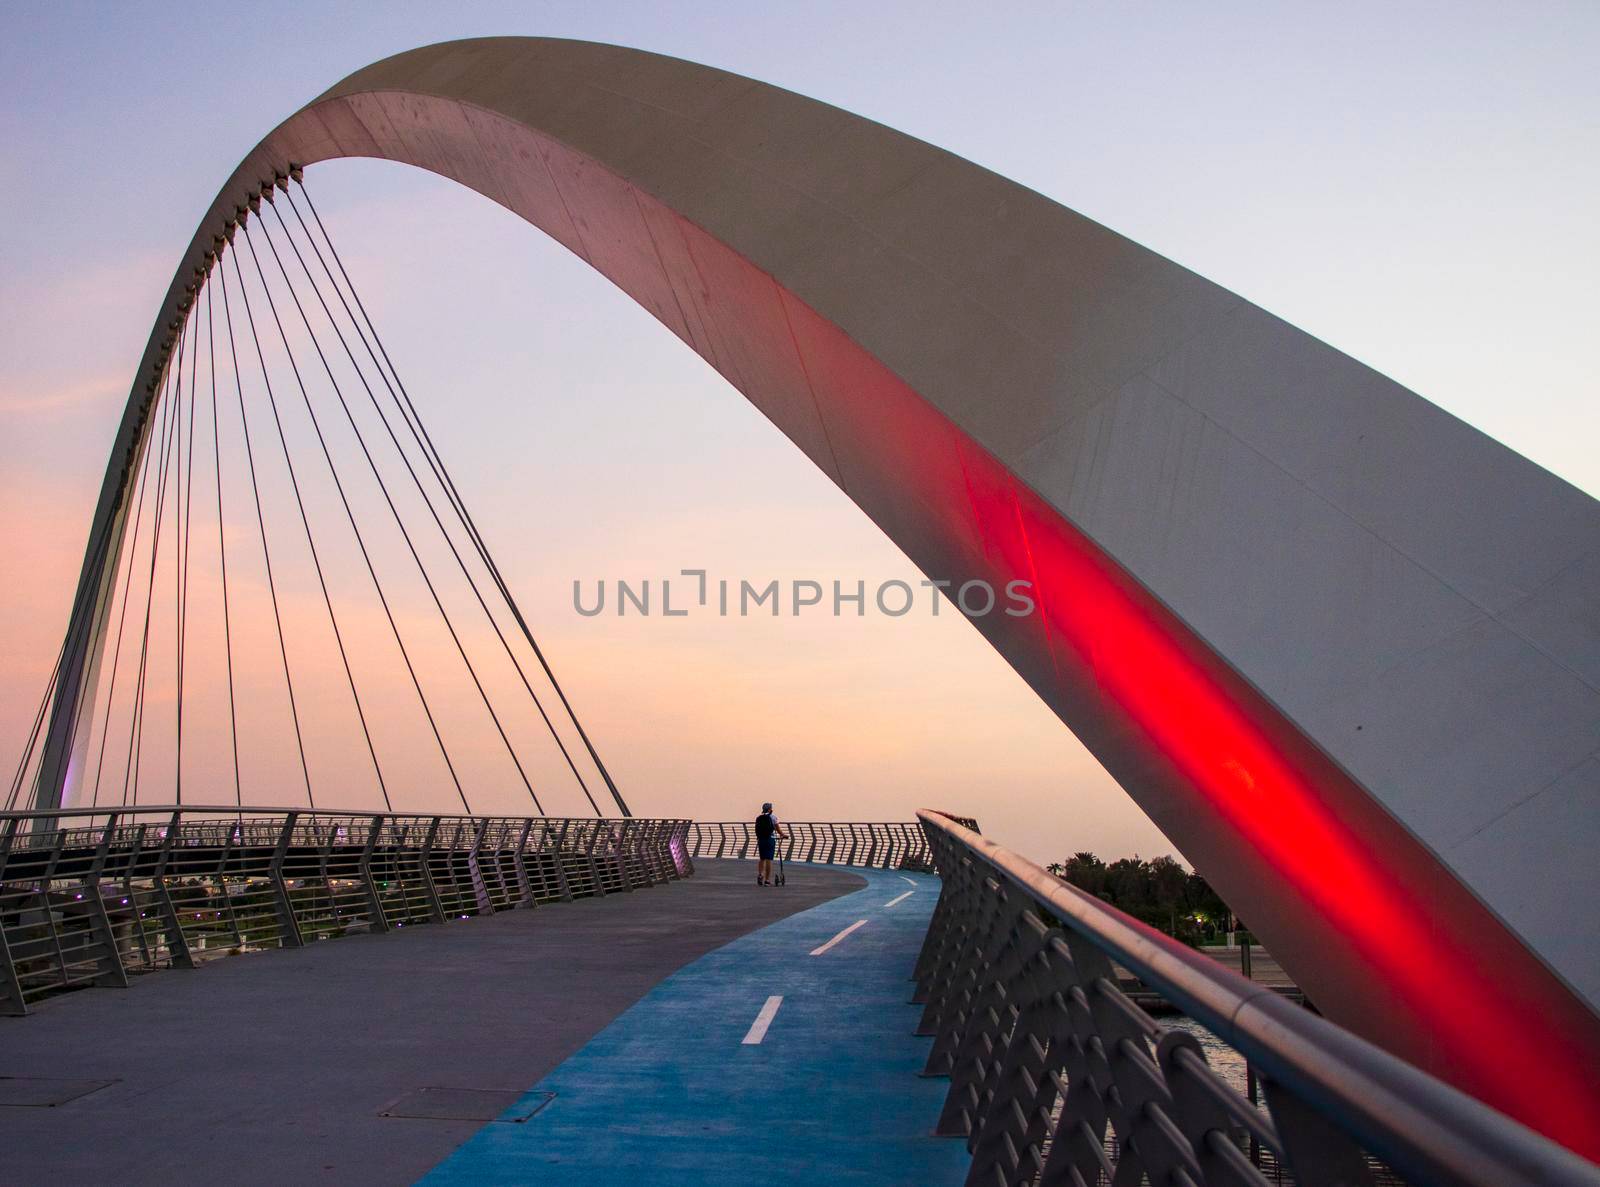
(1332, 1094)
(236, 810)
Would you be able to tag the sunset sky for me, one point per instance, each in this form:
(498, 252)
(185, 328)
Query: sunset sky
(1415, 184)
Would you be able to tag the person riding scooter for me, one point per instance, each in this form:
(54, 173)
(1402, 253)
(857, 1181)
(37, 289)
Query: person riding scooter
(768, 832)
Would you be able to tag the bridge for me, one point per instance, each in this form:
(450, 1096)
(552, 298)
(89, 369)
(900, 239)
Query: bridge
(1332, 640)
(631, 1018)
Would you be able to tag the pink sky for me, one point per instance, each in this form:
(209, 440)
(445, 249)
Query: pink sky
(1429, 213)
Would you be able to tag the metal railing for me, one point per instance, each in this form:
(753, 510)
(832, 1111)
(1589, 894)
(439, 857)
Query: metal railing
(86, 897)
(881, 846)
(1058, 1078)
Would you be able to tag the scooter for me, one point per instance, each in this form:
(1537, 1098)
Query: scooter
(778, 881)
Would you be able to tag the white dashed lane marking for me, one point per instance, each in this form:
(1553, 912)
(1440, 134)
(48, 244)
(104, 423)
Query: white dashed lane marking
(758, 1028)
(837, 938)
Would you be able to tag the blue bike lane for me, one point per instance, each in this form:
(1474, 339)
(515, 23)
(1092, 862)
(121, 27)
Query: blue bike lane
(707, 1080)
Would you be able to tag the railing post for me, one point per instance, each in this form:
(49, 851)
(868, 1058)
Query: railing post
(686, 868)
(643, 836)
(519, 863)
(288, 925)
(647, 848)
(425, 864)
(480, 888)
(620, 836)
(958, 925)
(660, 833)
(378, 921)
(46, 912)
(235, 836)
(937, 925)
(932, 944)
(10, 983)
(667, 841)
(111, 970)
(643, 830)
(177, 941)
(594, 862)
(325, 842)
(921, 850)
(561, 863)
(908, 844)
(621, 841)
(392, 854)
(132, 899)
(10, 987)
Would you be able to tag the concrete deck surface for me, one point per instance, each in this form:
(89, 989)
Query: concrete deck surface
(274, 1067)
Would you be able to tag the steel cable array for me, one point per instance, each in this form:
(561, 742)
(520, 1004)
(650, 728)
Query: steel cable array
(270, 262)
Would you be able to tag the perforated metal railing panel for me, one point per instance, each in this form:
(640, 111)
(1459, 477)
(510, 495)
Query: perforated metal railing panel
(1057, 1077)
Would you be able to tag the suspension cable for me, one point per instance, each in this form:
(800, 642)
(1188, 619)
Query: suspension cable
(222, 542)
(383, 487)
(305, 520)
(168, 448)
(361, 544)
(127, 592)
(266, 552)
(416, 479)
(181, 542)
(436, 461)
(130, 773)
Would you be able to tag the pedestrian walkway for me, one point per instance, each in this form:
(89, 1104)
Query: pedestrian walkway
(783, 1057)
(326, 1064)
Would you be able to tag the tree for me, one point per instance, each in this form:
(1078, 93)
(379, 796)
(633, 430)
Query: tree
(1087, 872)
(1168, 882)
(1159, 892)
(1128, 886)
